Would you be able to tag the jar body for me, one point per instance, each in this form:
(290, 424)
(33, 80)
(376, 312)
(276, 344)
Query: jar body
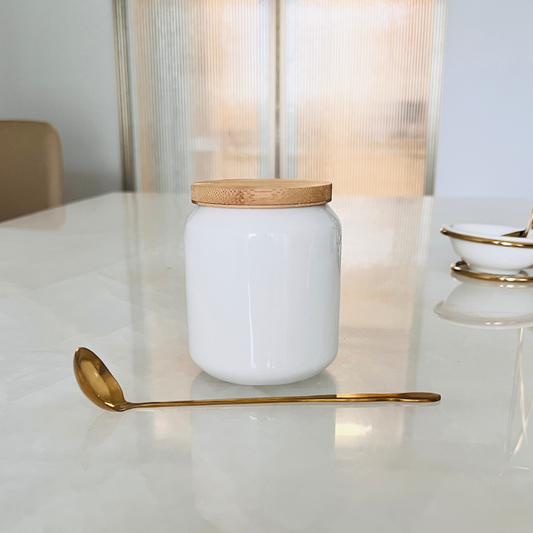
(263, 292)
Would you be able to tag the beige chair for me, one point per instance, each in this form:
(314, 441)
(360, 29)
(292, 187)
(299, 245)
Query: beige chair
(31, 168)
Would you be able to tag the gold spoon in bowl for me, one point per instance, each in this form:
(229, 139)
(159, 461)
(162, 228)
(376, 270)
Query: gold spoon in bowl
(521, 233)
(99, 385)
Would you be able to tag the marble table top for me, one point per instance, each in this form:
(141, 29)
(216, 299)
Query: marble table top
(107, 273)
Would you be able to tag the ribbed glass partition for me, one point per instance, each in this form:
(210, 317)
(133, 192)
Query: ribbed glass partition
(343, 90)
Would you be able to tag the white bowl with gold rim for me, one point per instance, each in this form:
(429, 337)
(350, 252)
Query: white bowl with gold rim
(485, 249)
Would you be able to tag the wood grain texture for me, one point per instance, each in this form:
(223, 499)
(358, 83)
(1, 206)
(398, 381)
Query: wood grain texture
(261, 193)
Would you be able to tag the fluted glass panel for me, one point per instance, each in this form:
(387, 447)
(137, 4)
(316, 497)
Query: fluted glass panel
(200, 73)
(343, 90)
(358, 80)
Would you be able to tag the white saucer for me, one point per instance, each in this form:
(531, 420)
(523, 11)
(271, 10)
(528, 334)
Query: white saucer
(462, 269)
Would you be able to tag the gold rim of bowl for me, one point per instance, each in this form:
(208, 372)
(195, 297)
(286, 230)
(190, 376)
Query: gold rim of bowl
(486, 240)
(464, 270)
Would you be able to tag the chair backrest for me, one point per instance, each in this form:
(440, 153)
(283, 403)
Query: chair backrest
(31, 168)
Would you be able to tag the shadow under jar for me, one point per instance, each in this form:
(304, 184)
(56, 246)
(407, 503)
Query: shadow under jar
(262, 266)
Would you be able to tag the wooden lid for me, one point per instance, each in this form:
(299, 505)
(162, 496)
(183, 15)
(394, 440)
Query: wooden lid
(261, 193)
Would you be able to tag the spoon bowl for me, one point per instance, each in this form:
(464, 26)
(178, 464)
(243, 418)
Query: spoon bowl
(97, 382)
(99, 385)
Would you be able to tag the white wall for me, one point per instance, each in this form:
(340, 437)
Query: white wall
(57, 64)
(486, 133)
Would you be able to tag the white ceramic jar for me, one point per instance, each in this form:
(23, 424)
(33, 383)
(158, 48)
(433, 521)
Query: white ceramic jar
(262, 266)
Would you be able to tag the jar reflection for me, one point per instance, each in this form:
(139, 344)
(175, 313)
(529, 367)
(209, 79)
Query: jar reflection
(262, 468)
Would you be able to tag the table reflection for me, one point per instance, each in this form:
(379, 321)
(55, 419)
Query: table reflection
(517, 449)
(485, 304)
(262, 468)
(500, 306)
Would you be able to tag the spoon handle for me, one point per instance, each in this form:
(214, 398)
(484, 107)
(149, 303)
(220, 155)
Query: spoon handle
(412, 397)
(529, 225)
(524, 232)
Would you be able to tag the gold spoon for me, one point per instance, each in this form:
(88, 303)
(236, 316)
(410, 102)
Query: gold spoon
(523, 232)
(99, 385)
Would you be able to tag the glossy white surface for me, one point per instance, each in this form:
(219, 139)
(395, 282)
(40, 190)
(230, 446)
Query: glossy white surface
(263, 290)
(489, 258)
(107, 273)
